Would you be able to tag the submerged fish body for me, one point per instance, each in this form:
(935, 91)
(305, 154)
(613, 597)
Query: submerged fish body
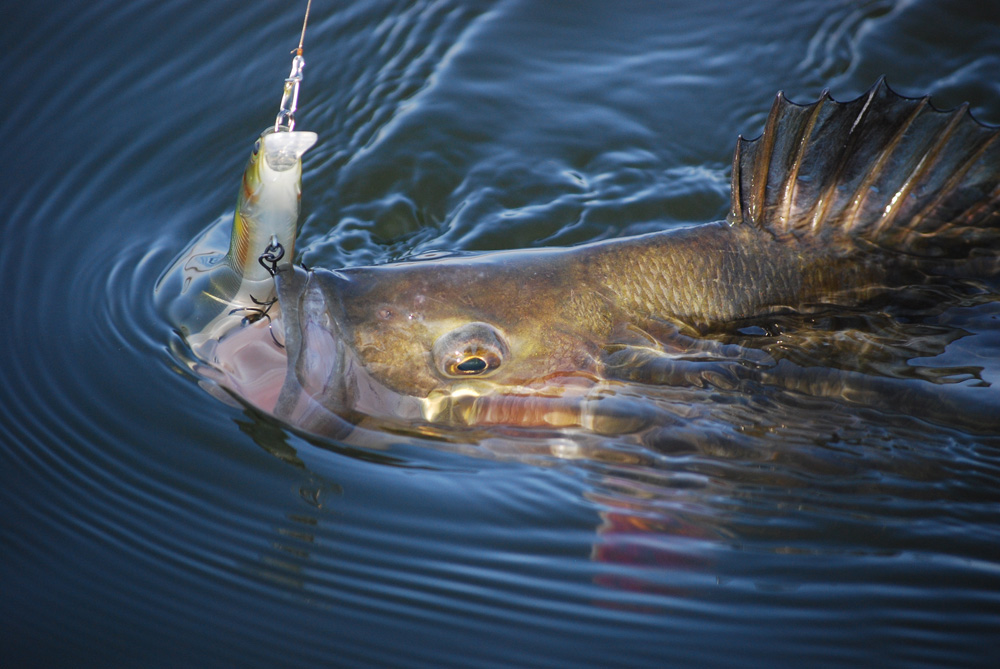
(834, 203)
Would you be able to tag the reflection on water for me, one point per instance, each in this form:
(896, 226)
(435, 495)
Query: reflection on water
(851, 522)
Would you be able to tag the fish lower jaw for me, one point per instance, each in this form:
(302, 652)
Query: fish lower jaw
(477, 404)
(596, 407)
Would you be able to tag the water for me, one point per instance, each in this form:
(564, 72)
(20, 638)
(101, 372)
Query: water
(148, 524)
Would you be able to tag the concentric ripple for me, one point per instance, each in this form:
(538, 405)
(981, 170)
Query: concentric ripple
(146, 523)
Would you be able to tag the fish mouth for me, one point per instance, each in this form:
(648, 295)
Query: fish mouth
(313, 342)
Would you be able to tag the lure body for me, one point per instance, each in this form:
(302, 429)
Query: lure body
(216, 291)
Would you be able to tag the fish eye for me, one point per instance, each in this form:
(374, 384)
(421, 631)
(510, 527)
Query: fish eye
(472, 365)
(474, 349)
(256, 147)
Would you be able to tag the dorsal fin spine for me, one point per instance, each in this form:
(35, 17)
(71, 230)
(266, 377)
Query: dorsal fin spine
(762, 164)
(802, 143)
(926, 161)
(959, 173)
(824, 201)
(883, 158)
(736, 213)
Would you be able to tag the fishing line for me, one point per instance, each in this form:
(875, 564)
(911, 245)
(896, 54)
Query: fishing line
(304, 22)
(285, 121)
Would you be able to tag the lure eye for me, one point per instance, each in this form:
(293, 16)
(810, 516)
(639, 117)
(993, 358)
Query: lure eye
(474, 349)
(256, 147)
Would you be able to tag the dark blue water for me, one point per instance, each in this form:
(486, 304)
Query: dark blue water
(147, 524)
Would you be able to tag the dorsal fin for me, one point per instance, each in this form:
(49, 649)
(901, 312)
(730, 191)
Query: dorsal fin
(882, 169)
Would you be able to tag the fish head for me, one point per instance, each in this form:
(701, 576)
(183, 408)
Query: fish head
(447, 342)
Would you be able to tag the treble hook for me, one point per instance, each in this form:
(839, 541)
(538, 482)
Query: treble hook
(257, 313)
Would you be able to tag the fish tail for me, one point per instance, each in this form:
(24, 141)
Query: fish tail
(881, 171)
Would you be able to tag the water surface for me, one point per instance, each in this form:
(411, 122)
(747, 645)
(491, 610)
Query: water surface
(148, 524)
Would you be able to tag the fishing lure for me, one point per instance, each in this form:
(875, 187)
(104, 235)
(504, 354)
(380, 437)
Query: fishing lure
(222, 291)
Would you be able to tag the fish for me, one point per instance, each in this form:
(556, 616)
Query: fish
(835, 204)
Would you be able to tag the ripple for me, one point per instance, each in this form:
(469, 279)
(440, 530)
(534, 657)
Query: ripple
(833, 48)
(140, 511)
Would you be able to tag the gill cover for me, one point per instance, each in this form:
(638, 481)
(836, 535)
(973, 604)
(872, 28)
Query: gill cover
(315, 372)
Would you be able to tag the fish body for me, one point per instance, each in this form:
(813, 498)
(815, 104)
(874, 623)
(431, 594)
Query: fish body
(834, 204)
